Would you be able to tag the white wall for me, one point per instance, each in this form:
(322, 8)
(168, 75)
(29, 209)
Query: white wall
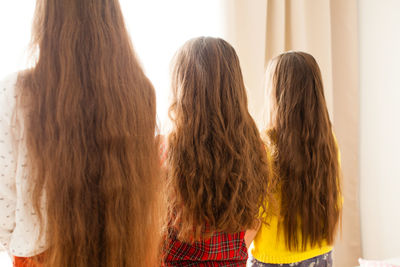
(379, 26)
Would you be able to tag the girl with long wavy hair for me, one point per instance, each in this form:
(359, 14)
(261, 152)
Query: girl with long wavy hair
(306, 167)
(216, 161)
(79, 160)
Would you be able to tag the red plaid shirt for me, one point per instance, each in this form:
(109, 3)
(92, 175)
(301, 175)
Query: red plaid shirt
(220, 250)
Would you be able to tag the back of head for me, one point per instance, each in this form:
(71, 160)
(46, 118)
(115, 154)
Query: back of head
(306, 153)
(217, 162)
(90, 118)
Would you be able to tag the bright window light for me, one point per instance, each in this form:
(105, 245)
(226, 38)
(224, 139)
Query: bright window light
(157, 27)
(15, 31)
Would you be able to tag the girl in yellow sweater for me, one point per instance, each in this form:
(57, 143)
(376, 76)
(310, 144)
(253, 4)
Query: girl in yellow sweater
(305, 158)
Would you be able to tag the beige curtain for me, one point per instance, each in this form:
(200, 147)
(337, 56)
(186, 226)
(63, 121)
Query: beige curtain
(261, 29)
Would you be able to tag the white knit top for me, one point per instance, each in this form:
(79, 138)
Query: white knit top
(19, 227)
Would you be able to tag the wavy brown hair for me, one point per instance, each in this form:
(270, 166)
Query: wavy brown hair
(217, 163)
(90, 119)
(305, 152)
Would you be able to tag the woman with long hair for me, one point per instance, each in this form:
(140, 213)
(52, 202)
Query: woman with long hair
(216, 161)
(305, 159)
(79, 159)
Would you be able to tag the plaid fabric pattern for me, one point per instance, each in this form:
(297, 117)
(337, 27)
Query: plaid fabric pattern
(220, 250)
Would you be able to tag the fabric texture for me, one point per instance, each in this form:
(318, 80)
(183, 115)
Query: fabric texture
(324, 260)
(221, 249)
(19, 224)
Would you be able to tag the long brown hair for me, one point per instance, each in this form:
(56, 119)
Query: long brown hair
(90, 120)
(305, 151)
(217, 162)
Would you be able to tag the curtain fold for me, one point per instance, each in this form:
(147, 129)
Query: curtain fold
(260, 30)
(346, 114)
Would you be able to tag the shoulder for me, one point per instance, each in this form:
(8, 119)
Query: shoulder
(7, 83)
(7, 94)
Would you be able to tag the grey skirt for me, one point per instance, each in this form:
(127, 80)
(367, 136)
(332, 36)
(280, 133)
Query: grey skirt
(324, 260)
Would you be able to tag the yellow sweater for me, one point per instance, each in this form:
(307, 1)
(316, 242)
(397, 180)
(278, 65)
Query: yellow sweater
(269, 244)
